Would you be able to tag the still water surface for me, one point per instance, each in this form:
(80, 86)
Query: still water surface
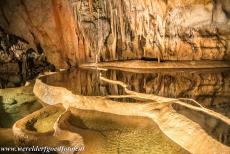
(211, 88)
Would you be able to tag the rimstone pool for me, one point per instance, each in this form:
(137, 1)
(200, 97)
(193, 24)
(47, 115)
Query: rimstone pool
(115, 76)
(103, 132)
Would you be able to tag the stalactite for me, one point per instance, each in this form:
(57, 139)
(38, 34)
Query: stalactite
(90, 2)
(121, 18)
(114, 32)
(99, 44)
(138, 29)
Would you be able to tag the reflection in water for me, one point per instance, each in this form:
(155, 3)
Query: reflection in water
(213, 126)
(208, 87)
(105, 133)
(108, 133)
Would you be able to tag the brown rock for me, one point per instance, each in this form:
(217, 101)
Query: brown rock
(73, 31)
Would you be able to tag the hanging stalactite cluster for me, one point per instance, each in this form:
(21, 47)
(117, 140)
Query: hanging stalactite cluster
(121, 30)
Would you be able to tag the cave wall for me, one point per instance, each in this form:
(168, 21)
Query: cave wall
(46, 24)
(168, 30)
(78, 31)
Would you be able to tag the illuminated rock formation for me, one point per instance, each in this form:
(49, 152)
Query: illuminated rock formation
(177, 127)
(77, 31)
(46, 25)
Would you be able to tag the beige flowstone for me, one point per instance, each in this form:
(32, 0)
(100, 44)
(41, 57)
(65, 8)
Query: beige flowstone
(148, 65)
(177, 127)
(74, 32)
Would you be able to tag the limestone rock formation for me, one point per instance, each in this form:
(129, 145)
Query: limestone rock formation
(78, 31)
(74, 126)
(18, 61)
(93, 132)
(46, 25)
(168, 30)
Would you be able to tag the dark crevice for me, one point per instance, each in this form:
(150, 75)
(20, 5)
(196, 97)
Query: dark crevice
(39, 48)
(151, 59)
(17, 56)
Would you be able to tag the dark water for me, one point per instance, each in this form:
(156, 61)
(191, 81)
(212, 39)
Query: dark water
(10, 81)
(211, 88)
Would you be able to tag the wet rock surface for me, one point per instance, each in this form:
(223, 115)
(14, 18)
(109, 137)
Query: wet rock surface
(106, 128)
(102, 133)
(179, 128)
(15, 103)
(18, 61)
(213, 126)
(209, 87)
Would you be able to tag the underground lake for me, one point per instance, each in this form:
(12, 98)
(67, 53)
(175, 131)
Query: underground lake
(115, 76)
(108, 120)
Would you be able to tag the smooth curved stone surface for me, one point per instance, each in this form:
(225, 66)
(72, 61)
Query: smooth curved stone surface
(179, 128)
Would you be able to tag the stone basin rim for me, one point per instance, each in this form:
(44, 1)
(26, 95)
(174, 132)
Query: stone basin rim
(140, 64)
(137, 110)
